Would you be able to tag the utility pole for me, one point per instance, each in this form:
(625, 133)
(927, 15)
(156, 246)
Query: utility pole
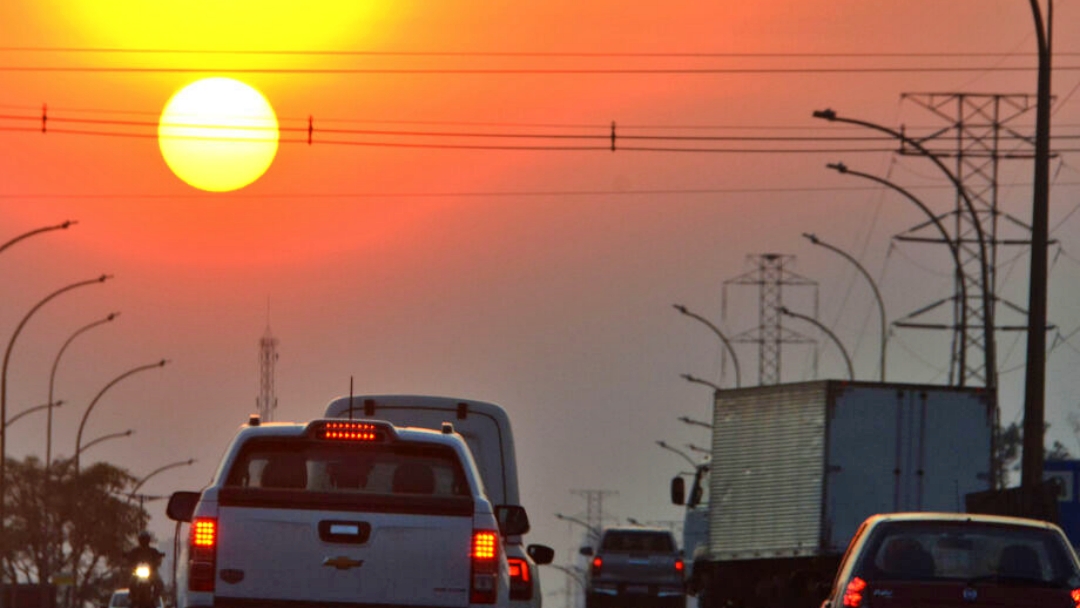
(594, 507)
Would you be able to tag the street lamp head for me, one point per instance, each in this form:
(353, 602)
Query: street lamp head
(783, 310)
(812, 237)
(827, 114)
(661, 443)
(681, 308)
(112, 315)
(841, 167)
(68, 223)
(104, 277)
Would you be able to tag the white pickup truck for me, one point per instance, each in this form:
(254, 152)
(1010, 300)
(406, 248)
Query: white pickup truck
(345, 513)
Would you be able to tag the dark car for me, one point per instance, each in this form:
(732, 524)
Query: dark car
(635, 567)
(943, 560)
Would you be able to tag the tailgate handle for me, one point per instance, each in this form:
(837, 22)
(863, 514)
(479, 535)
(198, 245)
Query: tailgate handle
(352, 532)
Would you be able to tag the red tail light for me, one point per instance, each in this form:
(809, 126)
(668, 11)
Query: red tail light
(202, 554)
(1075, 594)
(520, 579)
(485, 567)
(680, 567)
(597, 565)
(853, 594)
(349, 431)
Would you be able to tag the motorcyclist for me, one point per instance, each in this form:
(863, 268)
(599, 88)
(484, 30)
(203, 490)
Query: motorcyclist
(140, 555)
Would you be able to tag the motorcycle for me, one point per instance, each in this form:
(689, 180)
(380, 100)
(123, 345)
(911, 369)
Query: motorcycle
(144, 587)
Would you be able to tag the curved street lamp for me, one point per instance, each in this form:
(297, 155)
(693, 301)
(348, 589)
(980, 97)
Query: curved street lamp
(954, 249)
(3, 378)
(594, 534)
(92, 443)
(90, 408)
(31, 410)
(689, 420)
(681, 453)
(52, 382)
(26, 235)
(171, 465)
(873, 285)
(843, 351)
(989, 348)
(716, 330)
(696, 380)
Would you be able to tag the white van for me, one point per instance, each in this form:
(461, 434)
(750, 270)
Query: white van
(486, 429)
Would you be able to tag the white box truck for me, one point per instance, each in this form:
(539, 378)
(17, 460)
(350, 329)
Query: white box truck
(795, 468)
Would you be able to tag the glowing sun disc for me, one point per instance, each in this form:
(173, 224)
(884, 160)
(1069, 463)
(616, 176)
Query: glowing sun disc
(218, 134)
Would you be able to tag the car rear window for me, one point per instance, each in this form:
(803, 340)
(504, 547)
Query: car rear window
(965, 551)
(644, 541)
(303, 464)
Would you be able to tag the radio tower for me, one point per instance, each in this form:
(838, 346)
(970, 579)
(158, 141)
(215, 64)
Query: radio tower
(266, 403)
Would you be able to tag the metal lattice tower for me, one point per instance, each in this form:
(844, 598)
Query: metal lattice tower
(266, 402)
(594, 507)
(977, 138)
(770, 276)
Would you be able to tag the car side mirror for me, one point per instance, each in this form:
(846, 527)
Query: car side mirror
(586, 551)
(678, 491)
(182, 506)
(513, 520)
(541, 554)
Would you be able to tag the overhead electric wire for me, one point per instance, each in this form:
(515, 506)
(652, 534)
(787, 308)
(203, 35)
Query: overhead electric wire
(517, 71)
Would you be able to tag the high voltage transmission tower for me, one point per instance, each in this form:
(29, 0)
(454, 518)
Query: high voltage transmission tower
(770, 274)
(977, 137)
(594, 509)
(266, 403)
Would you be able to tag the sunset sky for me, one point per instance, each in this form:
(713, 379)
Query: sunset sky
(459, 225)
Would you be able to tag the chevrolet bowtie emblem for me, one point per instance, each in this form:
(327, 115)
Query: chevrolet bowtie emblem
(342, 562)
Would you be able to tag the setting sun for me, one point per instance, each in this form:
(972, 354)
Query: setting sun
(218, 134)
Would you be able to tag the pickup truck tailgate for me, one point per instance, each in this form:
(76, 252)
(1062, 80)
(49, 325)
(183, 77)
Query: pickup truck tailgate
(336, 556)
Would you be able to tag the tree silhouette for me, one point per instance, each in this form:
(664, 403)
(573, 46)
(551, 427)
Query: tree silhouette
(79, 526)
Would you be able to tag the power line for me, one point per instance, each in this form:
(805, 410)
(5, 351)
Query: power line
(519, 71)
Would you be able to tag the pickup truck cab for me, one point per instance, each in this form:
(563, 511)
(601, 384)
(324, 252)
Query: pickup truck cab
(486, 429)
(635, 566)
(344, 513)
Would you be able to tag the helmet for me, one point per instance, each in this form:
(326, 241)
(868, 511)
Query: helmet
(144, 538)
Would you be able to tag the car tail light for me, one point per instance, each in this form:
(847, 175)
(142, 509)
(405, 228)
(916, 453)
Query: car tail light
(484, 556)
(202, 554)
(520, 579)
(1075, 594)
(680, 567)
(853, 594)
(597, 565)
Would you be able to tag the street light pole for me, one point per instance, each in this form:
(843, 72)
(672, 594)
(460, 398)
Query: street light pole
(1031, 467)
(696, 380)
(26, 235)
(594, 534)
(989, 347)
(873, 285)
(90, 408)
(954, 249)
(681, 453)
(689, 420)
(843, 351)
(31, 410)
(52, 382)
(716, 330)
(3, 375)
(171, 465)
(90, 444)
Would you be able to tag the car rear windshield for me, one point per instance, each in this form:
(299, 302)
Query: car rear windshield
(400, 468)
(966, 551)
(634, 541)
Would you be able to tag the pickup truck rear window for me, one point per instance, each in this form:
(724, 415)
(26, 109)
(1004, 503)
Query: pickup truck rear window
(303, 464)
(632, 542)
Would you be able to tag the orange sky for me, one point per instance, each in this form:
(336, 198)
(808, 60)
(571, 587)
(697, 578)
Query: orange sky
(540, 279)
